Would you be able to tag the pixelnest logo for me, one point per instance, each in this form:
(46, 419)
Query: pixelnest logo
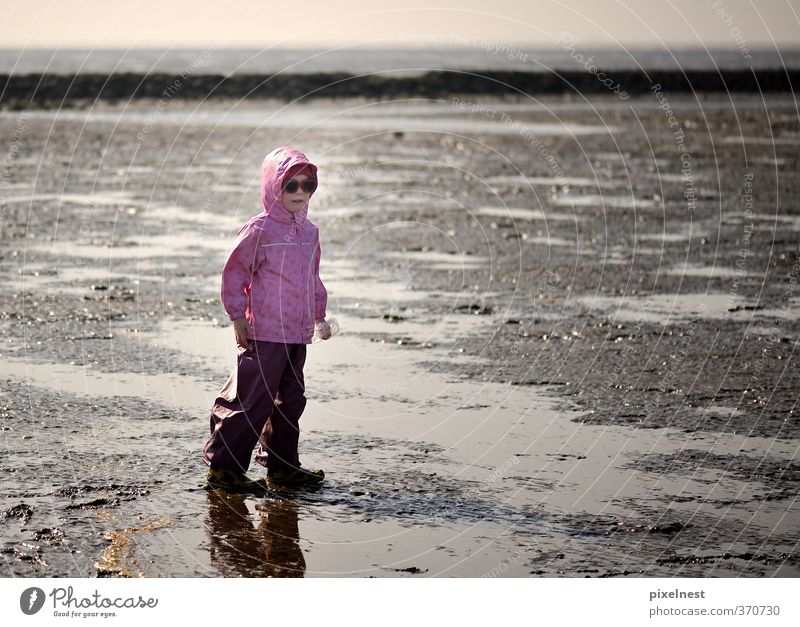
(31, 601)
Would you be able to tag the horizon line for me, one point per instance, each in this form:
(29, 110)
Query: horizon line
(597, 47)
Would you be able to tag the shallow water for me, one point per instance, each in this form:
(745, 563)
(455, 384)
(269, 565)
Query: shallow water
(328, 116)
(666, 308)
(522, 213)
(449, 448)
(428, 473)
(604, 201)
(401, 60)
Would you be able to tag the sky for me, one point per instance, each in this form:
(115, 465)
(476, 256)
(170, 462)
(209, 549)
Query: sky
(713, 24)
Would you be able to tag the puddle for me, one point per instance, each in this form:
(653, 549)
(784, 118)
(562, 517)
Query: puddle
(385, 291)
(790, 222)
(118, 559)
(383, 202)
(641, 251)
(670, 237)
(132, 251)
(718, 410)
(667, 308)
(374, 291)
(419, 198)
(211, 343)
(375, 178)
(573, 181)
(604, 201)
(323, 116)
(662, 177)
(185, 244)
(111, 197)
(438, 261)
(550, 241)
(430, 474)
(214, 166)
(42, 278)
(521, 213)
(615, 257)
(166, 213)
(236, 189)
(764, 141)
(711, 272)
(344, 212)
(170, 390)
(512, 458)
(791, 311)
(197, 217)
(778, 161)
(76, 274)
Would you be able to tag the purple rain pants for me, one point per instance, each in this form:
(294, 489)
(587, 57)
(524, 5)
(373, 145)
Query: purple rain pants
(261, 403)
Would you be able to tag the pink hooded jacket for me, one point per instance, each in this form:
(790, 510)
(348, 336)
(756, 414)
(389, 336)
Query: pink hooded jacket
(271, 276)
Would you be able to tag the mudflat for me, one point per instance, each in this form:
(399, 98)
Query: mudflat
(568, 345)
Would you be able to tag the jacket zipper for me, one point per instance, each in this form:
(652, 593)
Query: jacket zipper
(302, 265)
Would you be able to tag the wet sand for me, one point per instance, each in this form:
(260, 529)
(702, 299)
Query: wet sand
(560, 355)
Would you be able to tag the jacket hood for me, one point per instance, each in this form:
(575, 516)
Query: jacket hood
(273, 171)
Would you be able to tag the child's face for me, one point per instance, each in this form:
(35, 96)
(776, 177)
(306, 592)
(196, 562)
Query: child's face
(295, 201)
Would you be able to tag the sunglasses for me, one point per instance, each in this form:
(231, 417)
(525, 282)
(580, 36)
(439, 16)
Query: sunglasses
(308, 186)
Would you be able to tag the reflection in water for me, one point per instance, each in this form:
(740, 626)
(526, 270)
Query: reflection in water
(239, 549)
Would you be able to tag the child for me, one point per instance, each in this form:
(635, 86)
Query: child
(272, 292)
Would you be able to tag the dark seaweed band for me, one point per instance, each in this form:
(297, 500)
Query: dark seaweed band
(20, 90)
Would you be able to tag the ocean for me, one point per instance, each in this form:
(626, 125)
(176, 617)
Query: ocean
(480, 55)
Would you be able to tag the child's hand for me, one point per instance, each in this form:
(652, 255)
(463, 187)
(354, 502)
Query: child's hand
(241, 328)
(323, 330)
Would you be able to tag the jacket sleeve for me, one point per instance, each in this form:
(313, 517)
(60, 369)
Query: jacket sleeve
(237, 275)
(320, 293)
